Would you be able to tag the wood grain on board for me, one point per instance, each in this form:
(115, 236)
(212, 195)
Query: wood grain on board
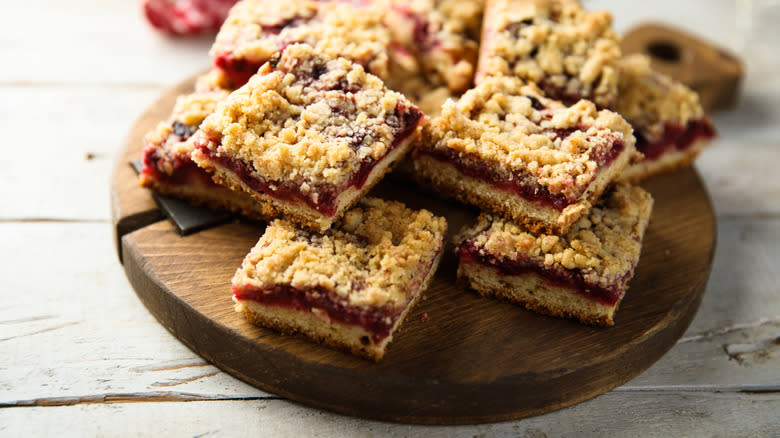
(470, 359)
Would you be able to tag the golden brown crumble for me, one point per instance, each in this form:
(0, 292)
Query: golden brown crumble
(212, 80)
(307, 119)
(604, 245)
(518, 132)
(570, 53)
(428, 96)
(437, 37)
(256, 29)
(650, 100)
(188, 113)
(373, 256)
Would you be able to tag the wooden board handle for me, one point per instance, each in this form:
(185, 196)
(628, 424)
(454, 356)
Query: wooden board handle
(710, 70)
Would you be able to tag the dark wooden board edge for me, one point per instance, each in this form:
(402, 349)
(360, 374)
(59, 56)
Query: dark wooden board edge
(280, 373)
(270, 366)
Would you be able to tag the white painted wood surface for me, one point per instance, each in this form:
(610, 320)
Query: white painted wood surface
(81, 356)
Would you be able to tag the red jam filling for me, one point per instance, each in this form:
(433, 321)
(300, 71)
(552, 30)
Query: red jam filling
(377, 321)
(185, 171)
(676, 137)
(238, 70)
(564, 278)
(422, 30)
(403, 124)
(522, 185)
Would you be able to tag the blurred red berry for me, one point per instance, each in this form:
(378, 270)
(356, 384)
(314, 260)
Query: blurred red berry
(185, 17)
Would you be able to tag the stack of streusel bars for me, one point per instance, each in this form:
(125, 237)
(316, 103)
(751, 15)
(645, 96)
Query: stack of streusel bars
(531, 114)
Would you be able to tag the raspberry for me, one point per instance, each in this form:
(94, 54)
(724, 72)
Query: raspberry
(186, 17)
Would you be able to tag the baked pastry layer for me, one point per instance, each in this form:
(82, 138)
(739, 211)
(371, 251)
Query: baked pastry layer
(436, 39)
(582, 274)
(167, 167)
(256, 29)
(669, 123)
(570, 53)
(349, 287)
(670, 160)
(307, 136)
(521, 155)
(535, 293)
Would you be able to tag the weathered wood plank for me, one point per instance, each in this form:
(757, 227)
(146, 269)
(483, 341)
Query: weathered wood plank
(87, 42)
(72, 135)
(87, 332)
(739, 174)
(646, 414)
(744, 283)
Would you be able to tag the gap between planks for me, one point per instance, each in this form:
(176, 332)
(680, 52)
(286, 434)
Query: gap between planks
(172, 396)
(132, 397)
(730, 329)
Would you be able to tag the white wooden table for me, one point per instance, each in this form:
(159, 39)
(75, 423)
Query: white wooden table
(80, 355)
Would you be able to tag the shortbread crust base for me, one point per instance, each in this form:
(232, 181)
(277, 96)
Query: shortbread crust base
(321, 329)
(214, 197)
(535, 293)
(667, 162)
(449, 182)
(299, 212)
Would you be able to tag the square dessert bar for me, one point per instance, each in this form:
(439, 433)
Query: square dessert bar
(581, 275)
(505, 148)
(350, 287)
(256, 29)
(307, 136)
(436, 38)
(167, 167)
(571, 54)
(669, 123)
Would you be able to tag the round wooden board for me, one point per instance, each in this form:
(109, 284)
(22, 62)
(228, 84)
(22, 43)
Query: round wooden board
(459, 358)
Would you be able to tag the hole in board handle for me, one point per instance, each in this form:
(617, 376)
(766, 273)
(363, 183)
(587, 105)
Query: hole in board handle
(664, 51)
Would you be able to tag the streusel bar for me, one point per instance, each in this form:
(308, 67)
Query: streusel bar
(669, 123)
(438, 39)
(307, 136)
(505, 148)
(350, 287)
(167, 166)
(582, 274)
(570, 53)
(256, 29)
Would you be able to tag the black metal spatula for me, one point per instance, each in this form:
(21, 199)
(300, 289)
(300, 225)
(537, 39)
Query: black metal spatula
(187, 218)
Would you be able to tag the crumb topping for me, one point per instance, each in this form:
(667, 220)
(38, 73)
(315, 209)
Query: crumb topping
(374, 256)
(170, 137)
(308, 120)
(214, 79)
(604, 245)
(428, 96)
(514, 128)
(438, 37)
(650, 100)
(256, 29)
(569, 52)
